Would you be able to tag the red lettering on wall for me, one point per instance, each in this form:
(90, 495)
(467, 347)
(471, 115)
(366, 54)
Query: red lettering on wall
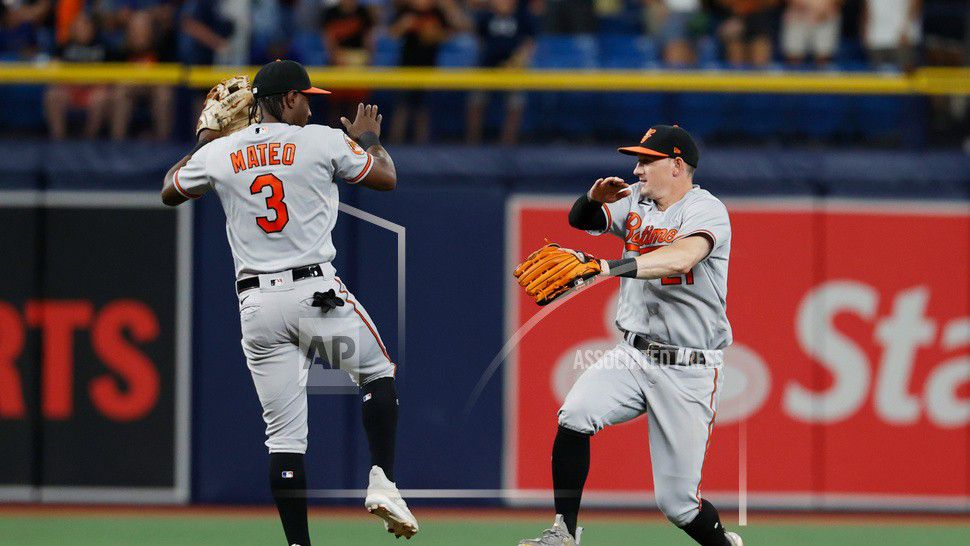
(57, 321)
(124, 358)
(11, 344)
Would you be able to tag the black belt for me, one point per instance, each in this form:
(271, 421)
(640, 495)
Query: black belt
(298, 273)
(664, 355)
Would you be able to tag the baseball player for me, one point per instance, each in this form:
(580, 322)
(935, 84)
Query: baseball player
(673, 286)
(277, 181)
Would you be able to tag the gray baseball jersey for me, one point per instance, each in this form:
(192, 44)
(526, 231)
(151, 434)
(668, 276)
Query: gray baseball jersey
(273, 176)
(687, 310)
(277, 186)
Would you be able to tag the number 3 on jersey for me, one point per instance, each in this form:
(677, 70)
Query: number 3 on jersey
(274, 202)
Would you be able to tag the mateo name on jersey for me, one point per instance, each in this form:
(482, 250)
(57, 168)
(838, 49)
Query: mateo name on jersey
(258, 155)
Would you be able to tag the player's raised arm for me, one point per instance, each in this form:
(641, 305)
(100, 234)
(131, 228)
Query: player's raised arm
(226, 110)
(366, 131)
(589, 212)
(174, 191)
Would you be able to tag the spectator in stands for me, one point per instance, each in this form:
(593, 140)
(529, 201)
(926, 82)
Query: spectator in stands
(569, 16)
(678, 23)
(891, 30)
(422, 26)
(141, 47)
(347, 31)
(83, 45)
(506, 34)
(748, 32)
(811, 27)
(22, 26)
(115, 15)
(205, 32)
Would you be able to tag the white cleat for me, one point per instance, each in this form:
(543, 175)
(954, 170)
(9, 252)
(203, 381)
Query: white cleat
(733, 538)
(384, 501)
(558, 535)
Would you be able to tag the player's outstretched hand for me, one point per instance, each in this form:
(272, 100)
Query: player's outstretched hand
(366, 121)
(609, 190)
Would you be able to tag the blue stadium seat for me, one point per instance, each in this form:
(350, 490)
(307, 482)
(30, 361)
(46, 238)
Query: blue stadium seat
(565, 51)
(628, 113)
(564, 114)
(308, 49)
(459, 52)
(627, 51)
(850, 52)
(387, 51)
(708, 53)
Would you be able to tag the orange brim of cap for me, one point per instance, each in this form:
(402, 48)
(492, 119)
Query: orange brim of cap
(637, 150)
(315, 91)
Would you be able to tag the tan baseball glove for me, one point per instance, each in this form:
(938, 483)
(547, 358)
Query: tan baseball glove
(226, 106)
(552, 271)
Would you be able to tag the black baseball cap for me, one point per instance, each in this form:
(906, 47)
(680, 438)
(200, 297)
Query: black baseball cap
(282, 76)
(666, 141)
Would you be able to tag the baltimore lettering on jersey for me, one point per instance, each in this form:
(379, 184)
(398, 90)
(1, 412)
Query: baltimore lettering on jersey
(636, 239)
(258, 155)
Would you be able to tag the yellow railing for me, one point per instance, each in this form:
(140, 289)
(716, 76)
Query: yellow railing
(924, 81)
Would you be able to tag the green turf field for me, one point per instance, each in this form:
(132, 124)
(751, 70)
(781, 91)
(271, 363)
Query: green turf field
(263, 529)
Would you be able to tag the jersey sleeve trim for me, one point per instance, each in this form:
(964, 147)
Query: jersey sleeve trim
(367, 167)
(704, 233)
(609, 217)
(609, 222)
(178, 187)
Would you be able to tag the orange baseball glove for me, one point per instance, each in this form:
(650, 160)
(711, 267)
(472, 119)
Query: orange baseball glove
(553, 271)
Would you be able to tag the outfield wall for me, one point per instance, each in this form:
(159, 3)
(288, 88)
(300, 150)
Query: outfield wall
(848, 296)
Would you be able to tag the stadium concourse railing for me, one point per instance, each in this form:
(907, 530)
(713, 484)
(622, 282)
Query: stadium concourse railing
(923, 81)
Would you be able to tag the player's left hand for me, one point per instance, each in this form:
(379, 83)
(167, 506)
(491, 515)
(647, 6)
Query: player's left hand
(366, 121)
(552, 271)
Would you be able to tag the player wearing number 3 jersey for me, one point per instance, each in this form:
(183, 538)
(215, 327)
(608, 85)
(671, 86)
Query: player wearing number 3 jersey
(277, 180)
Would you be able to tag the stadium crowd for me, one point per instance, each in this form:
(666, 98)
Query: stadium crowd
(776, 34)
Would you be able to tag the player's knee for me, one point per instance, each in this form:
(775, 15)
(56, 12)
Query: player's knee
(286, 444)
(679, 508)
(576, 418)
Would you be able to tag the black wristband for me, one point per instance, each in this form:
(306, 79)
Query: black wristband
(368, 139)
(624, 267)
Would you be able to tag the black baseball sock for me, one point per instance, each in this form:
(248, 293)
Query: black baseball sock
(706, 527)
(570, 466)
(287, 480)
(380, 422)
